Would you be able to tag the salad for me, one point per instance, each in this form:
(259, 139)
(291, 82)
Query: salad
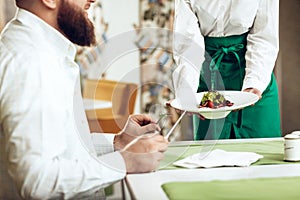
(214, 99)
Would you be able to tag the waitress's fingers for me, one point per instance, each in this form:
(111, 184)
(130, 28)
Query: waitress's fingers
(236, 110)
(168, 103)
(199, 116)
(254, 91)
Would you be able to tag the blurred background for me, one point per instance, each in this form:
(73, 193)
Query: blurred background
(147, 58)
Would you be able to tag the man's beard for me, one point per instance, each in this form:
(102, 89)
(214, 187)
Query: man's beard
(75, 24)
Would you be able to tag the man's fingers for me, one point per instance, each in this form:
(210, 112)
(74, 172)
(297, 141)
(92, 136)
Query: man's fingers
(141, 119)
(150, 128)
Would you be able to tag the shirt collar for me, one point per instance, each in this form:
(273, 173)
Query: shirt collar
(62, 46)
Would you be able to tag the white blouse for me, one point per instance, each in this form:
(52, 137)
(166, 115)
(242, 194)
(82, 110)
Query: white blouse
(195, 19)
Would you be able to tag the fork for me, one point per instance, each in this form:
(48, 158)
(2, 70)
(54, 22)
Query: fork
(161, 116)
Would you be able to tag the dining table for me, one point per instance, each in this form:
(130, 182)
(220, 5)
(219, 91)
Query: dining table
(271, 177)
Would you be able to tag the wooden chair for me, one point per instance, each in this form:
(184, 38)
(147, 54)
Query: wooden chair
(123, 97)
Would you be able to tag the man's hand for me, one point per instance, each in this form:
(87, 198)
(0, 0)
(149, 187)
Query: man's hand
(136, 125)
(140, 145)
(141, 163)
(140, 124)
(145, 153)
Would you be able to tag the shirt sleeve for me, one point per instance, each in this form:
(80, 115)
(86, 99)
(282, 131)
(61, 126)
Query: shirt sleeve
(103, 143)
(262, 46)
(44, 156)
(188, 49)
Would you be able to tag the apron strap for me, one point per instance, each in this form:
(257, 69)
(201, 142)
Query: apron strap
(217, 59)
(215, 65)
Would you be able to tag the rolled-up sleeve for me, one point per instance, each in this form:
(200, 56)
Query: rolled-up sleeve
(262, 46)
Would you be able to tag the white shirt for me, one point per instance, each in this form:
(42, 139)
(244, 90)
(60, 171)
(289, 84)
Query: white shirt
(195, 19)
(46, 149)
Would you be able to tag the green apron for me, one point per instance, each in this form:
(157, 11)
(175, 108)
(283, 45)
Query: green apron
(224, 69)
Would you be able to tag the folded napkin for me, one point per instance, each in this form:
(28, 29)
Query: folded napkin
(217, 158)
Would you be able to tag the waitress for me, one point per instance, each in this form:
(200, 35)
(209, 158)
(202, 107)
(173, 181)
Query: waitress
(234, 44)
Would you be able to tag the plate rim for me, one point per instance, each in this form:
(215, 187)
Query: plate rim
(221, 109)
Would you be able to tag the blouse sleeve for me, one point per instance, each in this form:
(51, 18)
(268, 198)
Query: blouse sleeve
(188, 49)
(262, 46)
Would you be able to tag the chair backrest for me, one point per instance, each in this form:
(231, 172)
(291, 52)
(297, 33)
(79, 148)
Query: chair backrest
(121, 94)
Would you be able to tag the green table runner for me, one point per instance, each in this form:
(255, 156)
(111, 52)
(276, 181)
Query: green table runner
(272, 151)
(245, 189)
(260, 189)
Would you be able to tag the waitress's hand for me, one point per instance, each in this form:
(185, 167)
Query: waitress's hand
(168, 103)
(254, 91)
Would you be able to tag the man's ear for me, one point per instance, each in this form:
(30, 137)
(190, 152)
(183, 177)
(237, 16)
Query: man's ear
(52, 4)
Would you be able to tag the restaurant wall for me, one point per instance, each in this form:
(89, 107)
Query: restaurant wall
(2, 14)
(7, 12)
(289, 62)
(121, 15)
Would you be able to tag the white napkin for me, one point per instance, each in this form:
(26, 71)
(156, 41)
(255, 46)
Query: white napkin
(217, 158)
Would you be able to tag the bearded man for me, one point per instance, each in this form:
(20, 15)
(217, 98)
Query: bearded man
(46, 149)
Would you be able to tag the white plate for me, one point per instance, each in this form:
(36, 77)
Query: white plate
(238, 98)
